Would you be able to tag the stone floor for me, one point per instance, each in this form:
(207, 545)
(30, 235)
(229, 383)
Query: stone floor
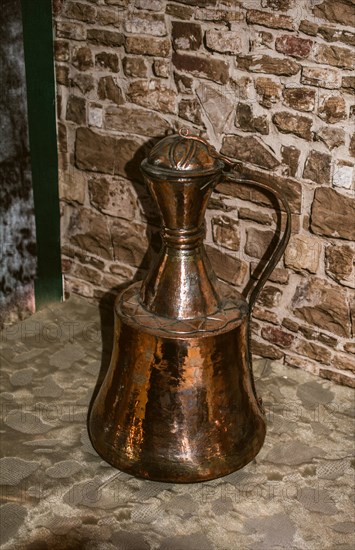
(58, 494)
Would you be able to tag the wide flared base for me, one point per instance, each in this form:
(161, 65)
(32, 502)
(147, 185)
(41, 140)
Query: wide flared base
(178, 402)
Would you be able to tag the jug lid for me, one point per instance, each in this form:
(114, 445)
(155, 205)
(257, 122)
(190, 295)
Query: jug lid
(182, 155)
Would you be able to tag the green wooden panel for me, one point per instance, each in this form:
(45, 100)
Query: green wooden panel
(38, 47)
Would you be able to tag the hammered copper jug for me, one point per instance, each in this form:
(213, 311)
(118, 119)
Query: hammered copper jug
(178, 402)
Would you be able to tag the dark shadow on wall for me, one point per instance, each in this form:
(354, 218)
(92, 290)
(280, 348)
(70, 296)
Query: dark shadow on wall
(151, 214)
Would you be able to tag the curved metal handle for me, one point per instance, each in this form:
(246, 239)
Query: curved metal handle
(281, 246)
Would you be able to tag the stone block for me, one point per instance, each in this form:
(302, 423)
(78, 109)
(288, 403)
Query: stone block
(145, 23)
(147, 45)
(61, 50)
(246, 121)
(289, 123)
(324, 77)
(204, 67)
(341, 11)
(294, 46)
(265, 350)
(317, 167)
(231, 270)
(258, 242)
(352, 146)
(109, 17)
(70, 30)
(219, 15)
(335, 56)
(249, 149)
(62, 75)
(277, 336)
(225, 232)
(217, 105)
(314, 351)
(189, 109)
(107, 60)
(108, 89)
(301, 99)
(332, 109)
(135, 121)
(129, 242)
(108, 154)
(151, 5)
(81, 12)
(303, 253)
(183, 83)
(343, 174)
(220, 40)
(82, 58)
(271, 20)
(134, 67)
(282, 5)
(337, 377)
(161, 68)
(255, 215)
(322, 305)
(348, 83)
(84, 82)
(333, 214)
(179, 12)
(89, 231)
(268, 64)
(153, 94)
(186, 36)
(268, 90)
(270, 296)
(95, 115)
(332, 137)
(290, 157)
(72, 186)
(76, 109)
(113, 196)
(340, 263)
(105, 37)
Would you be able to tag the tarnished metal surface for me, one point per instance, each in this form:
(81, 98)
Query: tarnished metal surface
(179, 403)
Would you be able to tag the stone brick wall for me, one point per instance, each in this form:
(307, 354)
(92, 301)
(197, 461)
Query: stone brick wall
(269, 83)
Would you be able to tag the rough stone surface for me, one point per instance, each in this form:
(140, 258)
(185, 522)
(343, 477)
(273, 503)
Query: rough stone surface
(135, 67)
(108, 89)
(332, 137)
(336, 56)
(277, 336)
(288, 123)
(303, 252)
(290, 156)
(231, 270)
(248, 149)
(186, 36)
(216, 105)
(102, 153)
(245, 120)
(336, 12)
(258, 242)
(224, 42)
(226, 232)
(267, 64)
(323, 305)
(105, 37)
(333, 214)
(268, 90)
(190, 109)
(332, 109)
(317, 167)
(271, 20)
(146, 45)
(322, 77)
(294, 46)
(301, 99)
(340, 263)
(153, 94)
(205, 67)
(107, 60)
(113, 196)
(147, 23)
(137, 121)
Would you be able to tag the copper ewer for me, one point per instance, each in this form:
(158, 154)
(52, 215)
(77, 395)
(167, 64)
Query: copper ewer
(178, 402)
